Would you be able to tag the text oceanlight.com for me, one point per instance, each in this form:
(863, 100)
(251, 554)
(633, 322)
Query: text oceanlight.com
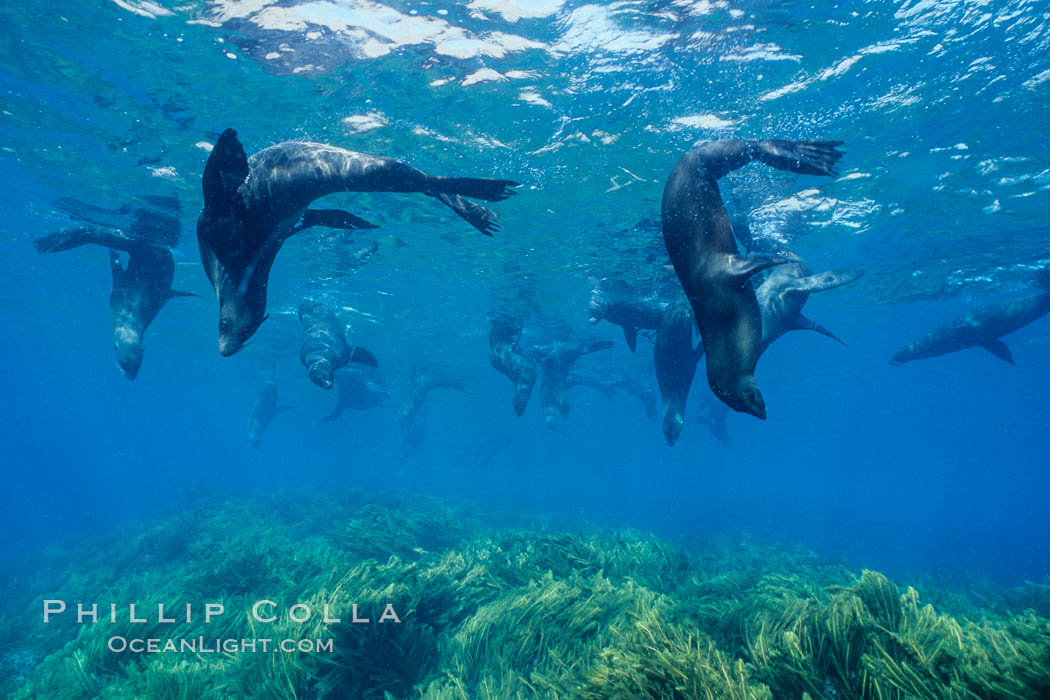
(263, 611)
(200, 645)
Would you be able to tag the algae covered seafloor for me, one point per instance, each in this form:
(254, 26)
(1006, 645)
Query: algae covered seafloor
(489, 610)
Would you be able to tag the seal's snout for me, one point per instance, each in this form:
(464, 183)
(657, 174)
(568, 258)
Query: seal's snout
(673, 421)
(749, 400)
(322, 374)
(128, 344)
(228, 345)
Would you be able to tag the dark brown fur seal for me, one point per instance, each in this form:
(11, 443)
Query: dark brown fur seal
(700, 242)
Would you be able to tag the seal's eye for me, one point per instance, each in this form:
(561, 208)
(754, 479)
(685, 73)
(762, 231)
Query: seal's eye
(224, 327)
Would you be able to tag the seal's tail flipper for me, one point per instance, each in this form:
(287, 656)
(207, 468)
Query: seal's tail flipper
(331, 218)
(82, 235)
(226, 170)
(363, 356)
(742, 267)
(479, 188)
(827, 280)
(999, 349)
(805, 324)
(478, 216)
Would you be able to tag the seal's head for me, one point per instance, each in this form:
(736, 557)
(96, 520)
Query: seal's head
(672, 424)
(596, 307)
(744, 396)
(321, 372)
(237, 322)
(128, 343)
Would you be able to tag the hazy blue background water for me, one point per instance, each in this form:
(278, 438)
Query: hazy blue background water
(938, 465)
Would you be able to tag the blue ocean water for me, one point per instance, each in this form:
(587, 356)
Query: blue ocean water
(935, 466)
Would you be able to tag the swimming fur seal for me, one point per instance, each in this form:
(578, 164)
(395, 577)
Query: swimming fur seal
(253, 205)
(613, 301)
(264, 408)
(141, 288)
(981, 328)
(355, 393)
(425, 380)
(715, 420)
(630, 383)
(556, 365)
(324, 348)
(504, 336)
(785, 291)
(699, 239)
(676, 359)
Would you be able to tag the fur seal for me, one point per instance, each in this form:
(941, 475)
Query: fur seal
(715, 420)
(785, 291)
(141, 288)
(630, 383)
(355, 393)
(264, 408)
(699, 239)
(982, 327)
(613, 301)
(676, 359)
(555, 366)
(253, 205)
(504, 336)
(324, 348)
(425, 380)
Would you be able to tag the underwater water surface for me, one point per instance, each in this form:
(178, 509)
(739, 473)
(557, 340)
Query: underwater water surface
(936, 473)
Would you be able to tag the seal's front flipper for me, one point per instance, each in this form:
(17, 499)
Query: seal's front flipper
(88, 213)
(225, 172)
(630, 334)
(172, 293)
(807, 157)
(742, 267)
(479, 188)
(826, 280)
(331, 218)
(82, 235)
(999, 349)
(805, 324)
(364, 357)
(478, 216)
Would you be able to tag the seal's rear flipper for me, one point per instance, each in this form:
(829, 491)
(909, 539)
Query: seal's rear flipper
(999, 349)
(742, 267)
(805, 324)
(331, 218)
(478, 216)
(364, 357)
(82, 235)
(630, 334)
(478, 187)
(226, 170)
